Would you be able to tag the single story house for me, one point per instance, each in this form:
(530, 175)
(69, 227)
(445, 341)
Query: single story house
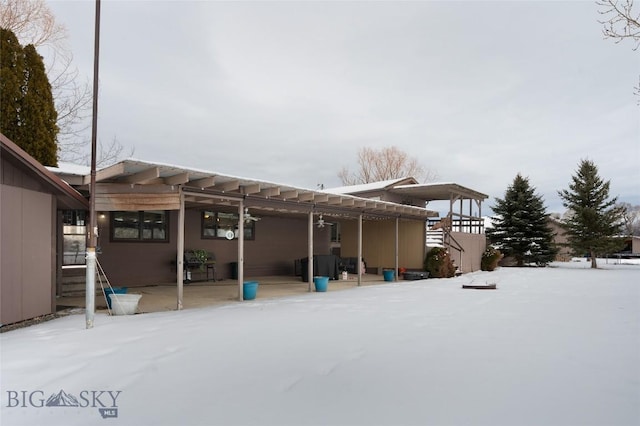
(150, 214)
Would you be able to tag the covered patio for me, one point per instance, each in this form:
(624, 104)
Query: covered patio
(162, 297)
(289, 216)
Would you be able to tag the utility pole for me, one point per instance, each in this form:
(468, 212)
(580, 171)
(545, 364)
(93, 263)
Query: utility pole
(93, 222)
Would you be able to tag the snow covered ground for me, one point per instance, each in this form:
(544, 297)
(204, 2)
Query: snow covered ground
(552, 346)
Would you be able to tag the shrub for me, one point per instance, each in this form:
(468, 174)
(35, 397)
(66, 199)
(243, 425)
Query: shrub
(490, 259)
(439, 264)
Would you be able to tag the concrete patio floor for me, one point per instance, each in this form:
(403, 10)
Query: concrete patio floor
(163, 297)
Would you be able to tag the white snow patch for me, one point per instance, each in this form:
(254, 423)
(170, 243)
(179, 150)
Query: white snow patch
(551, 346)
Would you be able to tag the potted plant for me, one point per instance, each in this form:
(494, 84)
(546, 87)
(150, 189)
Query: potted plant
(201, 256)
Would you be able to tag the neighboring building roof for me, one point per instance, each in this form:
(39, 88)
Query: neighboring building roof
(410, 187)
(373, 186)
(68, 197)
(439, 191)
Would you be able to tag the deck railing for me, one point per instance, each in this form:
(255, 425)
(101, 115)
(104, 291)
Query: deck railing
(470, 226)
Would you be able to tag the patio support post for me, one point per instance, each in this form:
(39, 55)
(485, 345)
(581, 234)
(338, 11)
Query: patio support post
(310, 251)
(396, 266)
(360, 249)
(240, 250)
(180, 255)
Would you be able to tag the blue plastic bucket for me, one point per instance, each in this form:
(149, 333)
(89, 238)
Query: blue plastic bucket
(321, 283)
(113, 290)
(249, 290)
(388, 274)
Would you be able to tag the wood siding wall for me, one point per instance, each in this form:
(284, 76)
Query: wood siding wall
(27, 250)
(474, 245)
(115, 197)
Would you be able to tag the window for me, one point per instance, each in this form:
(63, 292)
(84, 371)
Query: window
(74, 237)
(218, 225)
(335, 233)
(151, 225)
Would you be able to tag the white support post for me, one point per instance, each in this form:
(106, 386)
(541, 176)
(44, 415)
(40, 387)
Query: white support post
(240, 250)
(180, 254)
(90, 290)
(360, 249)
(397, 239)
(310, 251)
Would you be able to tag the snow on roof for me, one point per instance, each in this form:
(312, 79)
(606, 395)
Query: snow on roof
(133, 162)
(70, 169)
(424, 185)
(352, 189)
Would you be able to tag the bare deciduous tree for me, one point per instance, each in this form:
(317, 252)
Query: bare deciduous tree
(620, 21)
(384, 164)
(630, 219)
(33, 23)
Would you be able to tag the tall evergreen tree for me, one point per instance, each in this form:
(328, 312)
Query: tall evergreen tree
(38, 114)
(11, 77)
(520, 226)
(594, 220)
(28, 115)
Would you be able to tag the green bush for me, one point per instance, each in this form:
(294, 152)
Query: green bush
(439, 264)
(490, 259)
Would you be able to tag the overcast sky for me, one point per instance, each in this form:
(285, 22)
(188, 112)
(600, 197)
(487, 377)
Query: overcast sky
(289, 91)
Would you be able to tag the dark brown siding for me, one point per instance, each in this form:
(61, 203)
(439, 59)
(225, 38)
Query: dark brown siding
(12, 174)
(27, 271)
(278, 242)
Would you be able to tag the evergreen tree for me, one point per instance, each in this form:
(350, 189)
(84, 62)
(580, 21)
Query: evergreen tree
(520, 226)
(28, 115)
(38, 114)
(11, 76)
(594, 220)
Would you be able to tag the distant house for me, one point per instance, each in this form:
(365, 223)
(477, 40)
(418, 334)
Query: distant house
(631, 247)
(32, 201)
(560, 239)
(635, 245)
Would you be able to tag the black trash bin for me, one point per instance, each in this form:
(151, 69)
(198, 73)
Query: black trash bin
(234, 270)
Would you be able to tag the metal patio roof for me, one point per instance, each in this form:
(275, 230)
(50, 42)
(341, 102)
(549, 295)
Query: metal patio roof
(202, 187)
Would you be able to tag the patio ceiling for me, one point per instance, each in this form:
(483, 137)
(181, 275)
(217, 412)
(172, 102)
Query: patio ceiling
(205, 188)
